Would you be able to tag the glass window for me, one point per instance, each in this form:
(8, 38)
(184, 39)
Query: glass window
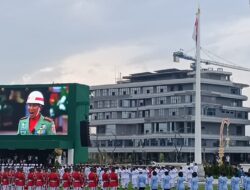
(135, 90)
(105, 92)
(173, 112)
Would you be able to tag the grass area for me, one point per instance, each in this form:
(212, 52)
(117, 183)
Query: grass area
(201, 187)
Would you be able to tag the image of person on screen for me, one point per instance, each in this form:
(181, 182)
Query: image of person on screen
(36, 123)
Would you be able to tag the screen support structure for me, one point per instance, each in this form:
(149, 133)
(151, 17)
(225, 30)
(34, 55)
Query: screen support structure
(70, 156)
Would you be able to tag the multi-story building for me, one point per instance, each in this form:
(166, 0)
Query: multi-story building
(150, 117)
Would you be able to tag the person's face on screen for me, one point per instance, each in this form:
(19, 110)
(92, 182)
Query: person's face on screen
(34, 110)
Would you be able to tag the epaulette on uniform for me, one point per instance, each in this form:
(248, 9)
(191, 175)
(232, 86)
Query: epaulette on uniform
(48, 119)
(24, 118)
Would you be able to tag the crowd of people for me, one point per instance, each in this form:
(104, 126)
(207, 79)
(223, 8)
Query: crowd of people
(37, 177)
(14, 159)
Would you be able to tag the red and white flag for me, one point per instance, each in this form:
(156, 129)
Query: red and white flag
(195, 32)
(196, 27)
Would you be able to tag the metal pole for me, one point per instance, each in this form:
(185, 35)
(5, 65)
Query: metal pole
(198, 159)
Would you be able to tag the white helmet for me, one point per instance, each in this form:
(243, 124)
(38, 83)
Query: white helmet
(35, 97)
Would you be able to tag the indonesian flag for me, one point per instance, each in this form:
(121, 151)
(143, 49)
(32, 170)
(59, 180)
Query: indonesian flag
(196, 24)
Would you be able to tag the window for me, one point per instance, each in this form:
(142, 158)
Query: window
(100, 116)
(234, 91)
(94, 116)
(113, 115)
(105, 92)
(181, 127)
(141, 102)
(107, 115)
(101, 129)
(180, 87)
(162, 142)
(161, 100)
(173, 112)
(185, 141)
(118, 143)
(175, 99)
(113, 103)
(210, 111)
(239, 115)
(125, 103)
(98, 92)
(154, 142)
(100, 104)
(124, 115)
(188, 99)
(147, 90)
(135, 90)
(161, 89)
(238, 130)
(106, 104)
(161, 112)
(110, 143)
(189, 127)
(128, 143)
(156, 127)
(123, 91)
(113, 92)
(133, 103)
(172, 88)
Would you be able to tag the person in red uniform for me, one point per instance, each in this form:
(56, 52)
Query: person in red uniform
(19, 179)
(5, 179)
(11, 178)
(31, 179)
(105, 179)
(39, 179)
(77, 179)
(45, 178)
(93, 179)
(113, 184)
(54, 180)
(66, 179)
(1, 177)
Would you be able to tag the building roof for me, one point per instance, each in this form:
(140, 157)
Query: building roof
(151, 75)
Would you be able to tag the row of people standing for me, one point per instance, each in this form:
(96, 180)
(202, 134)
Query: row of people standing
(167, 182)
(236, 182)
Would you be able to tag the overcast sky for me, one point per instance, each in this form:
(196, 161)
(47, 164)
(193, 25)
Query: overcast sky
(92, 41)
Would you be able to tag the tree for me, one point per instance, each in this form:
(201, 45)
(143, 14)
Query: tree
(177, 146)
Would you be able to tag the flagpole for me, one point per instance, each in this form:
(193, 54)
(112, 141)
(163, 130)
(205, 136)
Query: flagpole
(198, 95)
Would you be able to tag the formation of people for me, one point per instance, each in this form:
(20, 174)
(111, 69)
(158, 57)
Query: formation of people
(36, 177)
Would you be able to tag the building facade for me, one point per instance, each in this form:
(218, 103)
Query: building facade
(150, 117)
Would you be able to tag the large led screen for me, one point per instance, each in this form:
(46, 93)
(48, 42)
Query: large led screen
(34, 111)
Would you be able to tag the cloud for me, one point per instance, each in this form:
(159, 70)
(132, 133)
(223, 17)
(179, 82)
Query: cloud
(46, 69)
(229, 40)
(101, 66)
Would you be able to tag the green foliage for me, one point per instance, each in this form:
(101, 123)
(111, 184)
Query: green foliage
(57, 164)
(162, 157)
(216, 170)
